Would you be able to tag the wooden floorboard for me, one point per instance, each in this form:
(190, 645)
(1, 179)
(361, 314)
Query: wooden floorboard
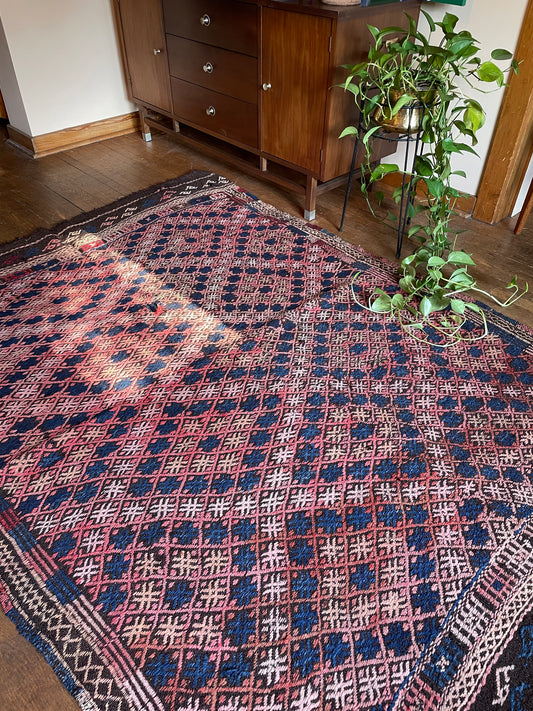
(41, 193)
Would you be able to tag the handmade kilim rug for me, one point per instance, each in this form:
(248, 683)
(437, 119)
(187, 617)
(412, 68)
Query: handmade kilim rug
(227, 487)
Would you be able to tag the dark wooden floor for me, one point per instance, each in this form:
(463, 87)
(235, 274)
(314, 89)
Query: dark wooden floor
(44, 192)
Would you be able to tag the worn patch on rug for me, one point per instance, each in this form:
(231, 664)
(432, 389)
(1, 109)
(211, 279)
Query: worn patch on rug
(226, 487)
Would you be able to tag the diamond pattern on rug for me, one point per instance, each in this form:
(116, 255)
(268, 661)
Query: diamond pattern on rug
(297, 516)
(72, 340)
(240, 265)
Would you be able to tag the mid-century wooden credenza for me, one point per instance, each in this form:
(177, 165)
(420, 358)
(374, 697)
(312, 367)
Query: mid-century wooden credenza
(253, 81)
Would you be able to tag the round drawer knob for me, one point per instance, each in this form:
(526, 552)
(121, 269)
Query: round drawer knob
(266, 86)
(210, 111)
(208, 68)
(205, 20)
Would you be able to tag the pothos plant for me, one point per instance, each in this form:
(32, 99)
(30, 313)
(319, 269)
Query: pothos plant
(406, 67)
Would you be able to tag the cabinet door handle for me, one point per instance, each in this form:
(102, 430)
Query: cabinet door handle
(157, 51)
(208, 68)
(267, 86)
(210, 111)
(205, 20)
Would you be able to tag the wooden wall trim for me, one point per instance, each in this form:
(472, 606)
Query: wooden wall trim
(512, 142)
(48, 143)
(20, 139)
(3, 111)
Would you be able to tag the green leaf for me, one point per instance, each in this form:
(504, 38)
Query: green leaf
(438, 301)
(374, 31)
(348, 131)
(429, 19)
(414, 229)
(397, 194)
(425, 306)
(422, 255)
(512, 284)
(368, 135)
(448, 22)
(393, 30)
(423, 166)
(381, 305)
(461, 278)
(452, 192)
(435, 187)
(406, 261)
(355, 90)
(474, 116)
(452, 147)
(460, 258)
(411, 212)
(501, 54)
(404, 100)
(457, 48)
(397, 301)
(412, 24)
(349, 84)
(489, 72)
(458, 306)
(383, 169)
(435, 275)
(465, 130)
(407, 284)
(436, 262)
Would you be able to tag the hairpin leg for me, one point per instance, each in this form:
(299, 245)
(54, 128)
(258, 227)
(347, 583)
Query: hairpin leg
(406, 202)
(350, 178)
(404, 208)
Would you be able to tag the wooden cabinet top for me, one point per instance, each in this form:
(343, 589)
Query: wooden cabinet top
(317, 7)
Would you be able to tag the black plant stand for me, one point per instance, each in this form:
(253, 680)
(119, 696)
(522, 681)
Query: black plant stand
(407, 196)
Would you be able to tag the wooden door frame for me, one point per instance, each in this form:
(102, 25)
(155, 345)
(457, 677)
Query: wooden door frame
(512, 142)
(3, 111)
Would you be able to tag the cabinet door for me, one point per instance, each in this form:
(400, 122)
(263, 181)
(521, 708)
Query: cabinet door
(295, 54)
(144, 42)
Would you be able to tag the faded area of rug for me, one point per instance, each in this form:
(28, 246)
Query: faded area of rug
(226, 487)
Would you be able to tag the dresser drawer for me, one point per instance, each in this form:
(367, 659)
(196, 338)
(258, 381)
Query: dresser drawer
(224, 115)
(224, 23)
(214, 68)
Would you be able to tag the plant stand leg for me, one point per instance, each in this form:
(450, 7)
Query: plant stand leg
(349, 186)
(404, 219)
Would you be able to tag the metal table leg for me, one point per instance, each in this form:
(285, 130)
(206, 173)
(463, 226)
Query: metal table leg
(350, 178)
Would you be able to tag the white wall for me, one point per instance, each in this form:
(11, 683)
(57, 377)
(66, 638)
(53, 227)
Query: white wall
(496, 24)
(10, 88)
(64, 63)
